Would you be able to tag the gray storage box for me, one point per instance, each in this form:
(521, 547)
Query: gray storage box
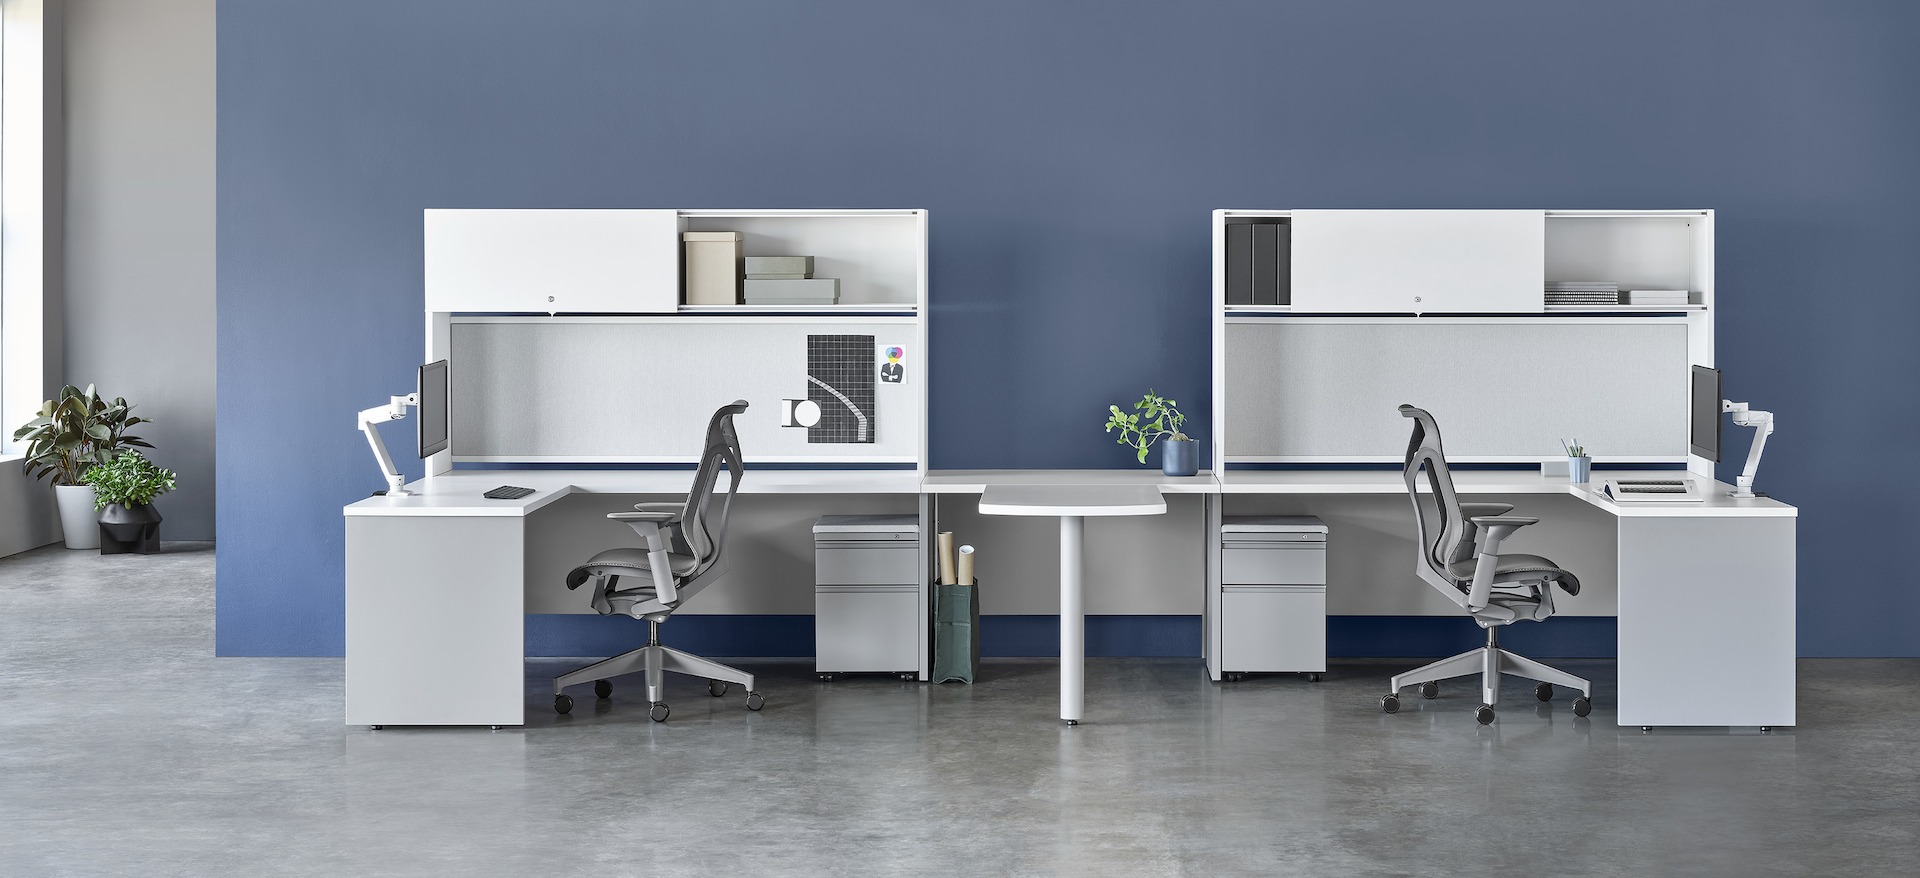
(779, 267)
(868, 611)
(817, 291)
(1273, 602)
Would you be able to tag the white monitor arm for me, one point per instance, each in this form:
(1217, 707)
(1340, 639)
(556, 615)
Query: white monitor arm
(394, 410)
(1762, 422)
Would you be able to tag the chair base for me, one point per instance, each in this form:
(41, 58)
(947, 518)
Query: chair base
(1489, 662)
(655, 660)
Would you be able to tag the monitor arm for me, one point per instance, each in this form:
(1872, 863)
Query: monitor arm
(1762, 422)
(370, 419)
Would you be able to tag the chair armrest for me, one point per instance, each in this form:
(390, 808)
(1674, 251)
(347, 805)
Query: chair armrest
(661, 506)
(1470, 536)
(1515, 522)
(1494, 529)
(657, 529)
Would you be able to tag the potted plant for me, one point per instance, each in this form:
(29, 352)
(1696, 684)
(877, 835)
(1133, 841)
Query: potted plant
(74, 431)
(1155, 418)
(124, 488)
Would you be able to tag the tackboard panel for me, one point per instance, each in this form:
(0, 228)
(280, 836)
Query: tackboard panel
(1510, 391)
(625, 391)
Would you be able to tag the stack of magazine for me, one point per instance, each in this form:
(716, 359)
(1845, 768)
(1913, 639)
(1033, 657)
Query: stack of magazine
(1656, 297)
(1582, 292)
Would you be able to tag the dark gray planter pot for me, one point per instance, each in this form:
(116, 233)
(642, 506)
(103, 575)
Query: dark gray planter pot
(125, 529)
(1180, 457)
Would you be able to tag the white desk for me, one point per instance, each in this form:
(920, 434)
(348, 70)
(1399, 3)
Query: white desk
(1706, 602)
(436, 583)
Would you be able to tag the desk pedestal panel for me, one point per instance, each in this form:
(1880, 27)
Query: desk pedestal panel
(1706, 621)
(435, 628)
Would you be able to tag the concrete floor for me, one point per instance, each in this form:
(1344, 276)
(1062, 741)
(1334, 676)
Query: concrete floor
(126, 748)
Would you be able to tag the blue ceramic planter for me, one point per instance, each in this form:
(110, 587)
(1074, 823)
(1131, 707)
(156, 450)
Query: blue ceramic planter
(1180, 458)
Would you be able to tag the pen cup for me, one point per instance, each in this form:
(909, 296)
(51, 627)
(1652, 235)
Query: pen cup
(1578, 469)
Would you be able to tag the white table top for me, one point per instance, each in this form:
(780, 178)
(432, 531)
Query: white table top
(1058, 500)
(1716, 502)
(458, 493)
(974, 481)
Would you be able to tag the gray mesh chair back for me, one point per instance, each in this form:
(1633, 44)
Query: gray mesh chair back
(1444, 536)
(705, 531)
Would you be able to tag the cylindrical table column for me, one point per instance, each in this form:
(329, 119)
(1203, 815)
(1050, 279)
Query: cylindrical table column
(1072, 625)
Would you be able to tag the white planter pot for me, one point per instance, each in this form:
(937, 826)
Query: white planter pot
(78, 519)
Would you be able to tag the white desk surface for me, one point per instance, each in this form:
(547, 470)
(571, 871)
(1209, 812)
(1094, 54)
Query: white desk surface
(458, 493)
(1716, 504)
(1059, 500)
(975, 481)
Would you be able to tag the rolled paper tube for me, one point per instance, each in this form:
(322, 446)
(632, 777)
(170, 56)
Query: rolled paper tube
(946, 557)
(966, 565)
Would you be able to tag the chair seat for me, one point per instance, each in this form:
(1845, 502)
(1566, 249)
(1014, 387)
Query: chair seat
(637, 560)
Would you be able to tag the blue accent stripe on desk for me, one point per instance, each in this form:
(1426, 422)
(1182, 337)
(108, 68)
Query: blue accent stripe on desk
(1107, 636)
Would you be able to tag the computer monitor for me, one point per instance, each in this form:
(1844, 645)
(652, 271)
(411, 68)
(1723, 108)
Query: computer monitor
(1705, 413)
(434, 433)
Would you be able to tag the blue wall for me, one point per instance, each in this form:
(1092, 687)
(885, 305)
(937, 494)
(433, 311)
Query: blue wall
(1069, 153)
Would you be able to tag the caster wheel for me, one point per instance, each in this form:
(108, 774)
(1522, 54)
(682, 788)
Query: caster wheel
(496, 728)
(602, 689)
(828, 678)
(1234, 676)
(1390, 704)
(909, 676)
(1484, 714)
(1313, 678)
(1429, 690)
(755, 701)
(1646, 728)
(1766, 728)
(1582, 706)
(1071, 722)
(716, 688)
(1544, 691)
(658, 712)
(562, 703)
(375, 728)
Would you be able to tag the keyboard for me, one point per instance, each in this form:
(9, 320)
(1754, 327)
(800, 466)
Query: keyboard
(1639, 490)
(507, 492)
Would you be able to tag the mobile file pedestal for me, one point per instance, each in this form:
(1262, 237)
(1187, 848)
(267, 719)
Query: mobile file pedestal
(1273, 600)
(869, 575)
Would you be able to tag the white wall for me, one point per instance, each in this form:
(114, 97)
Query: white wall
(139, 299)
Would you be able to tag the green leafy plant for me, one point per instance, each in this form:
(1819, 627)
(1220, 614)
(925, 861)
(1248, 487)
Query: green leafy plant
(1153, 418)
(77, 430)
(129, 480)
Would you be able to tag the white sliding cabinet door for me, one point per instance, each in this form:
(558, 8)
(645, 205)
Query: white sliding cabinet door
(578, 261)
(1419, 261)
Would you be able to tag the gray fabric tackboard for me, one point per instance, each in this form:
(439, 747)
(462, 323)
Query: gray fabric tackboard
(1509, 391)
(620, 391)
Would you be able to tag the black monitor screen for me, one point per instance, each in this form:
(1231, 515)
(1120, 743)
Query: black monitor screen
(433, 408)
(1705, 417)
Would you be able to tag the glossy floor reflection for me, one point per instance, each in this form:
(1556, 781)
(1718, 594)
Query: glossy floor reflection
(127, 748)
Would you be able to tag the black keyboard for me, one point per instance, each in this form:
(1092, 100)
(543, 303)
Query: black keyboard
(507, 492)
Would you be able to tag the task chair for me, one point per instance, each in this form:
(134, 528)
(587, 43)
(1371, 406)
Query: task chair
(683, 547)
(1459, 554)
